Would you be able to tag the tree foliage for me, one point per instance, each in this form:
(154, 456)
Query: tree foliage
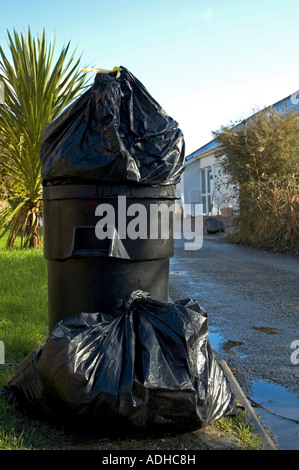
(36, 90)
(261, 155)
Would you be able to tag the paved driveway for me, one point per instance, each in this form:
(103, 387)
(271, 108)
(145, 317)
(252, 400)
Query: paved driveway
(252, 300)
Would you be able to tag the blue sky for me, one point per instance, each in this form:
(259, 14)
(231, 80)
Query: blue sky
(207, 62)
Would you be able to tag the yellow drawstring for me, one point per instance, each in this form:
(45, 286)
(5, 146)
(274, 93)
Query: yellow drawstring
(115, 69)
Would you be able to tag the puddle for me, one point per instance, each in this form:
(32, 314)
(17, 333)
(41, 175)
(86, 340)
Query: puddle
(281, 405)
(266, 329)
(278, 402)
(228, 346)
(216, 339)
(220, 344)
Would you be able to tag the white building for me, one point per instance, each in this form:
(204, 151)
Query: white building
(204, 181)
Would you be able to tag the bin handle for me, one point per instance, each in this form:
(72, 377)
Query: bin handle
(85, 243)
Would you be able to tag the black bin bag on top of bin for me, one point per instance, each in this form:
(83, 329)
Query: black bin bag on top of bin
(114, 132)
(152, 365)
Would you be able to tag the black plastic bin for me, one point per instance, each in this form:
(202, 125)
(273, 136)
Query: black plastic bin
(86, 274)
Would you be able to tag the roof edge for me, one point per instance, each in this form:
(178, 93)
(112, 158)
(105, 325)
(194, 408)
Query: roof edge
(209, 144)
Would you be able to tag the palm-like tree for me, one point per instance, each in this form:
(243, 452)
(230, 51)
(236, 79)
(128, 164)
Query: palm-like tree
(36, 92)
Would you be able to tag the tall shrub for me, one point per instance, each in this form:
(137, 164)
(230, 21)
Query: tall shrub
(261, 155)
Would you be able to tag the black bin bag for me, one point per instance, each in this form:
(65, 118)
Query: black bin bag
(115, 132)
(152, 365)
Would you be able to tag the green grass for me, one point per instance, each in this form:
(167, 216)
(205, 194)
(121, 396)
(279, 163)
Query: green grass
(240, 427)
(23, 301)
(18, 432)
(23, 328)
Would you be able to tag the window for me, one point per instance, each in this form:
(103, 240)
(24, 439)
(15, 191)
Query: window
(205, 183)
(195, 199)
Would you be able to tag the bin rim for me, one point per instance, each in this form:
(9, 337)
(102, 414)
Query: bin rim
(97, 191)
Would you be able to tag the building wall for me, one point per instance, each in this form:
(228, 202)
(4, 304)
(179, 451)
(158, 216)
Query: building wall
(225, 194)
(190, 184)
(191, 180)
(206, 183)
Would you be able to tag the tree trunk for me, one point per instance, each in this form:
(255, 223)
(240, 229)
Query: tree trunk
(34, 240)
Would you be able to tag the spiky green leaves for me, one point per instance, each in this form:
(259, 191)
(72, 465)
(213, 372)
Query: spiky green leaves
(36, 91)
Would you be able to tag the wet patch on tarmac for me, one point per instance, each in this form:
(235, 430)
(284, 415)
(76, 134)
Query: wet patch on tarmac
(266, 329)
(221, 345)
(278, 410)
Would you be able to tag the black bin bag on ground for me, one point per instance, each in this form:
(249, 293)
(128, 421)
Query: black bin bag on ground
(114, 132)
(152, 365)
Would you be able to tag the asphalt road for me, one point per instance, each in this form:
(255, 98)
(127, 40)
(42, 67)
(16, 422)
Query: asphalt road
(252, 300)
